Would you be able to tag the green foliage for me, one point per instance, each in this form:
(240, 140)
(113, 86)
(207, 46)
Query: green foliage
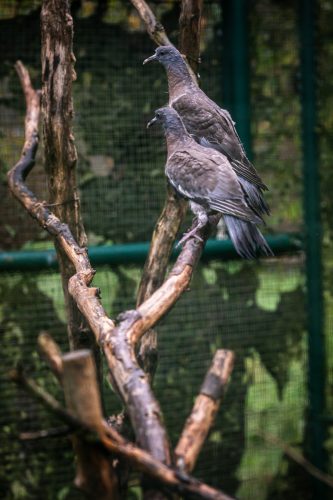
(256, 310)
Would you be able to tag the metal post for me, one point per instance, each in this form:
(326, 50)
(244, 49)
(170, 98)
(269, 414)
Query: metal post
(236, 88)
(313, 241)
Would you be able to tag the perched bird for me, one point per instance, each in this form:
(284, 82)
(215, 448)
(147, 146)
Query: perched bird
(209, 125)
(205, 177)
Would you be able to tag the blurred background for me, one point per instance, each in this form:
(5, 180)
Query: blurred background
(269, 62)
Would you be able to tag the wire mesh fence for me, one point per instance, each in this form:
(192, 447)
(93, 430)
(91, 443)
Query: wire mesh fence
(256, 309)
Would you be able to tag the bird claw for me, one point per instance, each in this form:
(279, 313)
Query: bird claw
(187, 236)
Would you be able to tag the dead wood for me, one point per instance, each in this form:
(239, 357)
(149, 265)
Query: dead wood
(174, 209)
(189, 32)
(118, 343)
(204, 410)
(154, 28)
(83, 400)
(51, 353)
(177, 481)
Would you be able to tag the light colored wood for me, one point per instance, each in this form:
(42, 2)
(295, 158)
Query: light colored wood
(204, 410)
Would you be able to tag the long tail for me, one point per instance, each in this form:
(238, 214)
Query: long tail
(254, 196)
(246, 237)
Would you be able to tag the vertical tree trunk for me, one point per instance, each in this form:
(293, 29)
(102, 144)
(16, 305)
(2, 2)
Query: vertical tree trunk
(60, 152)
(60, 164)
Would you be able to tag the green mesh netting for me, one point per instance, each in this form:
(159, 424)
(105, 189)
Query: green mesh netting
(256, 309)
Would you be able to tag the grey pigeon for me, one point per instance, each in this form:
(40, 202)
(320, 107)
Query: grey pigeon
(210, 125)
(205, 177)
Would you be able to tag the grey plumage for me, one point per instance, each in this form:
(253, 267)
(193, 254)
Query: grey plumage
(205, 177)
(209, 125)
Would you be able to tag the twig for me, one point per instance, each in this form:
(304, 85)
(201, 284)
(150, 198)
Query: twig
(204, 410)
(112, 441)
(297, 457)
(45, 433)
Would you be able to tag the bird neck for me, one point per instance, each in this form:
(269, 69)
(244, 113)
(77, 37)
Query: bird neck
(176, 136)
(179, 79)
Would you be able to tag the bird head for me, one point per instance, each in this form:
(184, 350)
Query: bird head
(167, 117)
(166, 54)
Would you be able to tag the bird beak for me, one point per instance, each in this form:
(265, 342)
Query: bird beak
(150, 59)
(149, 124)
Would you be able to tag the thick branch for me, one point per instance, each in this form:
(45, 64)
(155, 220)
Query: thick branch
(189, 34)
(113, 442)
(94, 472)
(51, 354)
(204, 410)
(124, 370)
(174, 208)
(59, 148)
(118, 344)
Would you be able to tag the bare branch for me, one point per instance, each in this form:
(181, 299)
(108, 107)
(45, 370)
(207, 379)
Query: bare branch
(51, 353)
(154, 28)
(113, 442)
(124, 368)
(94, 471)
(204, 410)
(174, 208)
(297, 457)
(45, 433)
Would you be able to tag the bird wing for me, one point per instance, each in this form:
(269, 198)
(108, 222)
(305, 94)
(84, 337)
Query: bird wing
(213, 127)
(207, 178)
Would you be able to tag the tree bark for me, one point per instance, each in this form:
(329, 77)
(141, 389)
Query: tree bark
(174, 209)
(189, 32)
(60, 152)
(94, 471)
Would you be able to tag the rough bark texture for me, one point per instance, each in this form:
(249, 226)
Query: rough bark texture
(175, 207)
(114, 443)
(60, 152)
(204, 410)
(189, 33)
(94, 471)
(118, 343)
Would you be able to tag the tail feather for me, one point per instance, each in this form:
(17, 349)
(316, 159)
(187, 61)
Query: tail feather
(255, 197)
(246, 237)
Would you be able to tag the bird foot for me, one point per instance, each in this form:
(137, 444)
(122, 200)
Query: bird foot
(187, 236)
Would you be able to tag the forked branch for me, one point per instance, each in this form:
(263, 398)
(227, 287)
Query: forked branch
(118, 343)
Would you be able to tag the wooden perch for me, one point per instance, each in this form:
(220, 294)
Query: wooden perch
(51, 353)
(95, 474)
(204, 410)
(177, 481)
(174, 209)
(118, 343)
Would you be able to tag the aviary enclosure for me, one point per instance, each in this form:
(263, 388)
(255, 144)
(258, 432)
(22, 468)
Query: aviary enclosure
(269, 321)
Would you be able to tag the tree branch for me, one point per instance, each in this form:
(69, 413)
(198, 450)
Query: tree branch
(204, 410)
(154, 28)
(113, 442)
(174, 209)
(118, 344)
(51, 353)
(297, 457)
(189, 35)
(94, 470)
